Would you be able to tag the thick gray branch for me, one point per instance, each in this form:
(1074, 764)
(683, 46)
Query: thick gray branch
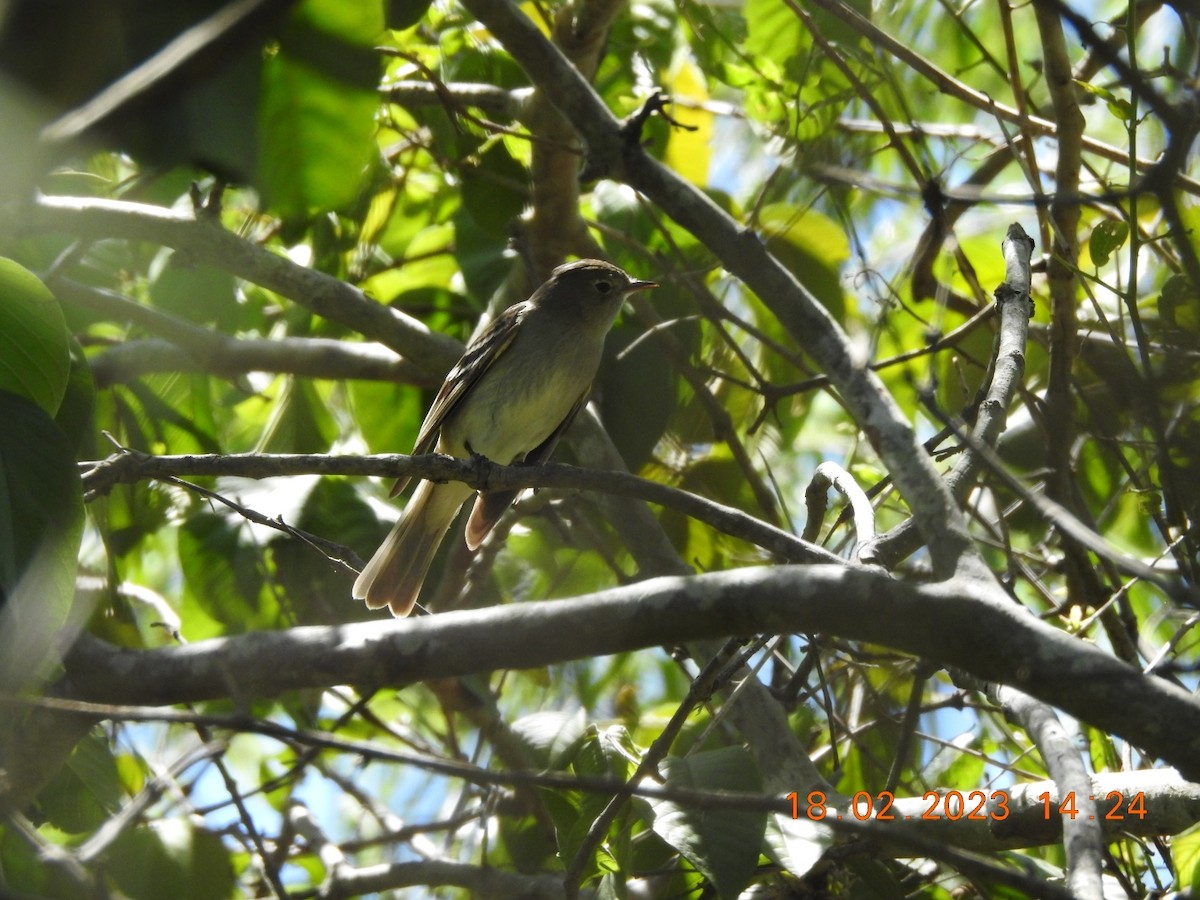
(227, 357)
(206, 350)
(996, 641)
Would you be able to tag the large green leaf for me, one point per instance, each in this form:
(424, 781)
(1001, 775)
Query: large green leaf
(41, 521)
(316, 591)
(1185, 848)
(813, 247)
(299, 422)
(87, 791)
(35, 357)
(171, 859)
(723, 844)
(196, 292)
(494, 189)
(603, 754)
(774, 33)
(317, 119)
(797, 844)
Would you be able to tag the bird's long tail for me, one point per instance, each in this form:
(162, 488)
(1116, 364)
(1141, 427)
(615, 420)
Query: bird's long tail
(395, 573)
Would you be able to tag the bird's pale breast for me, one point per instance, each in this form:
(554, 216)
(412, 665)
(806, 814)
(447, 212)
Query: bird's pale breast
(522, 398)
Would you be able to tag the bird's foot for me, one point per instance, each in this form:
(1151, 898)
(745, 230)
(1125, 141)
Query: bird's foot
(481, 465)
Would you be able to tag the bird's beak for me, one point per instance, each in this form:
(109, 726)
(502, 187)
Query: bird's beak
(640, 286)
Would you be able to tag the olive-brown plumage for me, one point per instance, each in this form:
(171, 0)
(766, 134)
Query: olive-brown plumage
(509, 398)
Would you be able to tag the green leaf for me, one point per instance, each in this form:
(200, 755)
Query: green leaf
(1121, 109)
(1185, 849)
(797, 844)
(551, 735)
(35, 356)
(644, 372)
(316, 592)
(76, 413)
(813, 246)
(359, 23)
(196, 292)
(402, 14)
(171, 859)
(317, 118)
(41, 523)
(1118, 106)
(316, 140)
(299, 421)
(1106, 237)
(1179, 304)
(722, 844)
(495, 189)
(773, 32)
(877, 881)
(87, 791)
(220, 572)
(525, 840)
(603, 754)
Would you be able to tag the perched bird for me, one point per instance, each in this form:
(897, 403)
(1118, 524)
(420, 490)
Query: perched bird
(511, 396)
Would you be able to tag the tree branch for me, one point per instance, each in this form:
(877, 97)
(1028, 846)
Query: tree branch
(994, 641)
(206, 241)
(1006, 370)
(497, 102)
(951, 86)
(130, 467)
(1081, 833)
(206, 350)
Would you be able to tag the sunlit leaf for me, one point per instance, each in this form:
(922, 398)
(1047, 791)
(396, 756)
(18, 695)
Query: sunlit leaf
(689, 148)
(550, 734)
(34, 354)
(1106, 237)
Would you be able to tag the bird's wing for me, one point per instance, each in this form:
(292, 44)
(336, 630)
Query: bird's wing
(478, 358)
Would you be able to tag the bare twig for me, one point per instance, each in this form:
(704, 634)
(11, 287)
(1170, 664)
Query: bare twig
(131, 466)
(827, 475)
(1007, 367)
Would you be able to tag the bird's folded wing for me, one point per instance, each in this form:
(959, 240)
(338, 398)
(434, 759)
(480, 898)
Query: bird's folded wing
(478, 358)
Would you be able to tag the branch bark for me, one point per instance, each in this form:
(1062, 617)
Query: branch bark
(1081, 833)
(206, 350)
(1006, 369)
(994, 641)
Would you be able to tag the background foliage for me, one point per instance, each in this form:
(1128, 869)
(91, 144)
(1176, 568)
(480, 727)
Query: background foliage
(179, 176)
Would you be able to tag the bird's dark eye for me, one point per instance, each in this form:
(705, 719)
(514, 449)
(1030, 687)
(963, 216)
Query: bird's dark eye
(604, 286)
